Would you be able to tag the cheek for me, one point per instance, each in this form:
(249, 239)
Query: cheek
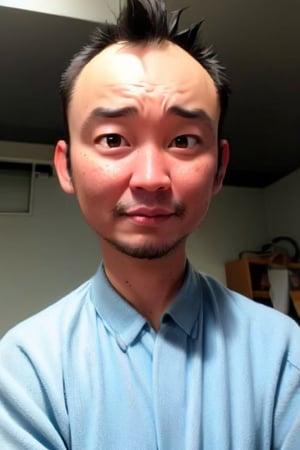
(99, 185)
(91, 189)
(97, 178)
(94, 195)
(197, 186)
(198, 180)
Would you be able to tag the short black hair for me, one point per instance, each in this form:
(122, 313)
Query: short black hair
(143, 22)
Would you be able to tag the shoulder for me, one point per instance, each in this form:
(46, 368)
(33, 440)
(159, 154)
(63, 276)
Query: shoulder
(33, 376)
(49, 324)
(264, 329)
(34, 354)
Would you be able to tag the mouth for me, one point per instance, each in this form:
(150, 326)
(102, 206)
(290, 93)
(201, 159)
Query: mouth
(146, 214)
(149, 216)
(149, 212)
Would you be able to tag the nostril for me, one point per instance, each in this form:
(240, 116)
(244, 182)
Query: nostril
(155, 180)
(150, 171)
(153, 183)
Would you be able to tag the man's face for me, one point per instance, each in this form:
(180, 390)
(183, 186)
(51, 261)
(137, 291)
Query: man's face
(143, 136)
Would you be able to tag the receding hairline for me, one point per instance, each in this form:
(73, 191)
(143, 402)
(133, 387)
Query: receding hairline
(122, 45)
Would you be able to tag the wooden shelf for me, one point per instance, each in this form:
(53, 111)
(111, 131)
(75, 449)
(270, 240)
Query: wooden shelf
(295, 296)
(250, 277)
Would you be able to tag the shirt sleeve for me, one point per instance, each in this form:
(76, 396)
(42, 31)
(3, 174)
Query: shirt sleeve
(32, 412)
(287, 410)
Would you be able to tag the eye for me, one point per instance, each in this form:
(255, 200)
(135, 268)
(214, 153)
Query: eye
(185, 141)
(112, 140)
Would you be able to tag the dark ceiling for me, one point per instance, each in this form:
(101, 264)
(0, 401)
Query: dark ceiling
(258, 41)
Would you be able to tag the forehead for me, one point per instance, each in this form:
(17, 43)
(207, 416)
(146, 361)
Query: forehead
(147, 75)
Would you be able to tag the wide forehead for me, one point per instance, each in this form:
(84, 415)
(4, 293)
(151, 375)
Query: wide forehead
(154, 70)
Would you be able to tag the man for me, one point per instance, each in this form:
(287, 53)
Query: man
(148, 354)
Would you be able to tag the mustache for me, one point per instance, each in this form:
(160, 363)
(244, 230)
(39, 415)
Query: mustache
(122, 208)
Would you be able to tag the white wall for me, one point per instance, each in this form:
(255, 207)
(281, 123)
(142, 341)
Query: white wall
(235, 222)
(49, 253)
(282, 204)
(44, 255)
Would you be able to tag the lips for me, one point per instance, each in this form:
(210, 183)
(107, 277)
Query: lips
(149, 217)
(149, 212)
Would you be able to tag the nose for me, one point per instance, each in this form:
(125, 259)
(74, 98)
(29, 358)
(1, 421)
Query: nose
(150, 171)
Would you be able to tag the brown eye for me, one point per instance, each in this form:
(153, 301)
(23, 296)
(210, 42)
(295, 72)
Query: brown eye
(184, 141)
(112, 140)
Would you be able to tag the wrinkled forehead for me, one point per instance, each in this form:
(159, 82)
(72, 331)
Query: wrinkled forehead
(162, 73)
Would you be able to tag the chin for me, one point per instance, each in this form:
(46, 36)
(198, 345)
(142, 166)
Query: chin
(146, 251)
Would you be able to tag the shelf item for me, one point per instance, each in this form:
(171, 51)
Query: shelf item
(276, 285)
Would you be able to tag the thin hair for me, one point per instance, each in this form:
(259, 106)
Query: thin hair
(144, 22)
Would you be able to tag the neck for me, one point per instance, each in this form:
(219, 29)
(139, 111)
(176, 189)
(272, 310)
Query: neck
(148, 285)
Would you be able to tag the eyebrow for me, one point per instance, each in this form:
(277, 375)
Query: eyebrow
(108, 113)
(102, 112)
(114, 113)
(196, 113)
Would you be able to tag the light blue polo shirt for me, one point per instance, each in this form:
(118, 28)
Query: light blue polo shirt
(89, 373)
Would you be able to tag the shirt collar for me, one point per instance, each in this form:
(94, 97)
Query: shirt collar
(186, 309)
(125, 323)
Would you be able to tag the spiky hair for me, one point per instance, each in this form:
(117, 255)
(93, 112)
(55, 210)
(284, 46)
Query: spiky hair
(142, 22)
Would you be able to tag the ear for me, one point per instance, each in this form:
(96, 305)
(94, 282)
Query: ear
(225, 152)
(61, 165)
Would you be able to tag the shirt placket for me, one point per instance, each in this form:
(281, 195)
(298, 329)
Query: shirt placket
(169, 390)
